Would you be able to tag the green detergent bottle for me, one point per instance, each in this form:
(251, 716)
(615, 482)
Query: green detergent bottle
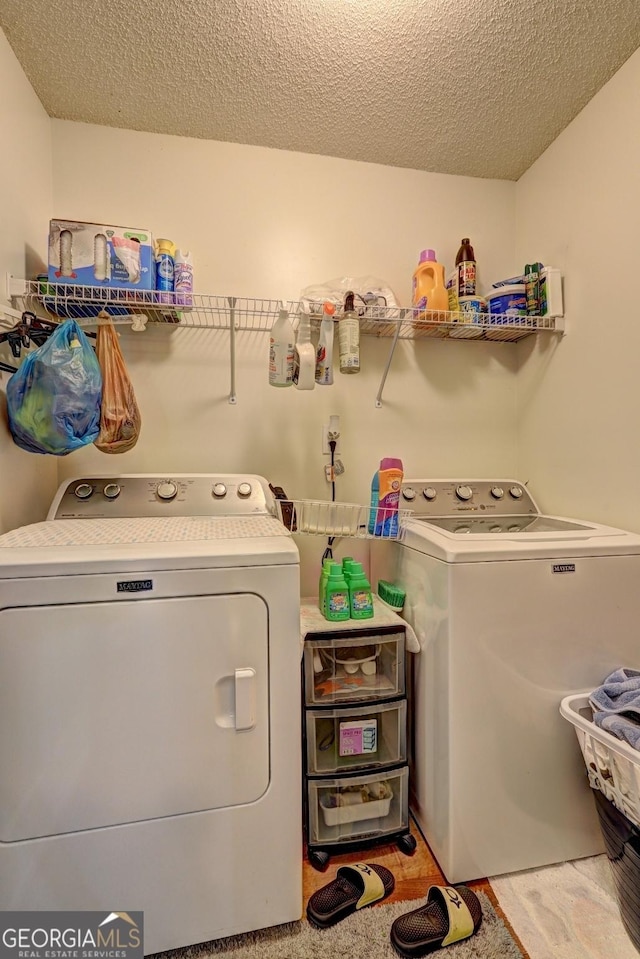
(336, 605)
(360, 596)
(322, 585)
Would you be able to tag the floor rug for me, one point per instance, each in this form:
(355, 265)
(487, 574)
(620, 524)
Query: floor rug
(363, 935)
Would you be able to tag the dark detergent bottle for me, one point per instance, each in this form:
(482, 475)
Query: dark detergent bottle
(466, 269)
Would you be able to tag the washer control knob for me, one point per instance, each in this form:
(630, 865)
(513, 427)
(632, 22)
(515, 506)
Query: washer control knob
(219, 490)
(464, 493)
(497, 492)
(409, 493)
(111, 491)
(167, 490)
(244, 490)
(429, 493)
(83, 490)
(516, 492)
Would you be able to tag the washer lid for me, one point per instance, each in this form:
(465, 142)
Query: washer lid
(469, 539)
(177, 542)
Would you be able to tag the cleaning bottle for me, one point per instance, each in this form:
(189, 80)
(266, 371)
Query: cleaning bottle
(390, 481)
(324, 353)
(164, 270)
(466, 269)
(183, 279)
(304, 357)
(336, 606)
(429, 289)
(373, 511)
(360, 597)
(282, 344)
(349, 337)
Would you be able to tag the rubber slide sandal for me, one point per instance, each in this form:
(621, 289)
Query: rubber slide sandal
(450, 914)
(354, 887)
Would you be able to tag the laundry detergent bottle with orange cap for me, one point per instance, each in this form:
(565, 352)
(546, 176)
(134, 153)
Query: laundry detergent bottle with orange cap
(429, 289)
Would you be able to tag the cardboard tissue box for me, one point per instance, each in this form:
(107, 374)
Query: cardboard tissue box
(92, 254)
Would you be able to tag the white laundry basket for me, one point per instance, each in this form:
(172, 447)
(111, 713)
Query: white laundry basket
(614, 774)
(612, 765)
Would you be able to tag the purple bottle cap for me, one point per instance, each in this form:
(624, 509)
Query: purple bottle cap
(428, 255)
(389, 463)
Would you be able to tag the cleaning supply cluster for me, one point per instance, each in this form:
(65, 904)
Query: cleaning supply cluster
(295, 360)
(344, 591)
(537, 292)
(95, 254)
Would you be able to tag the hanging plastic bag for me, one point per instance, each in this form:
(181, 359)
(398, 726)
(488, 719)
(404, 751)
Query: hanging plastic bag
(119, 414)
(53, 400)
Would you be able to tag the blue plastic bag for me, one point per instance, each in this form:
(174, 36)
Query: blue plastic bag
(53, 400)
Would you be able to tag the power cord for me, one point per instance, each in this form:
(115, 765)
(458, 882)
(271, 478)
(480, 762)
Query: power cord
(328, 553)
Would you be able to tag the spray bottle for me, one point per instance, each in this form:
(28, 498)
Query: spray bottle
(164, 270)
(183, 279)
(349, 337)
(324, 353)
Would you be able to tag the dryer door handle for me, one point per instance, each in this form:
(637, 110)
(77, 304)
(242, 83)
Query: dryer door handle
(245, 680)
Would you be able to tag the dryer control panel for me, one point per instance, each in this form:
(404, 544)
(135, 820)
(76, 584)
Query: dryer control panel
(175, 494)
(505, 497)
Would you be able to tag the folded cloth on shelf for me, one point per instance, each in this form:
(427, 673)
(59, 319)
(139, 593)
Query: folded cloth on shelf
(616, 705)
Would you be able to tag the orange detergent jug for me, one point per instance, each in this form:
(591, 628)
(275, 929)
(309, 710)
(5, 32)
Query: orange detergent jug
(429, 290)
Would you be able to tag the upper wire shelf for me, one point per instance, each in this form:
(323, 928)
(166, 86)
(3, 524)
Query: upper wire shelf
(204, 311)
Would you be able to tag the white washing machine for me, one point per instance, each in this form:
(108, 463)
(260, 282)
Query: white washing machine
(150, 753)
(513, 610)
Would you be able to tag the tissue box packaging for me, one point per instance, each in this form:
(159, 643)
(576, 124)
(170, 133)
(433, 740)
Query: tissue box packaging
(94, 254)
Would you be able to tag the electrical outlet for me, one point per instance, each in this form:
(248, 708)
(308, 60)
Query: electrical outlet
(332, 427)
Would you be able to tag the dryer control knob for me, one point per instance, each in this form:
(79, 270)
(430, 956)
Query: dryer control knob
(429, 493)
(83, 491)
(111, 491)
(497, 492)
(516, 492)
(408, 493)
(219, 490)
(244, 490)
(167, 490)
(464, 492)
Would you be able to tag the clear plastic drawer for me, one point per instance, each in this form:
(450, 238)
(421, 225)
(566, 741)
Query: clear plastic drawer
(343, 740)
(343, 810)
(354, 668)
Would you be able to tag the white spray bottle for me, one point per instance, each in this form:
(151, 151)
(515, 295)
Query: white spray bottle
(304, 365)
(324, 353)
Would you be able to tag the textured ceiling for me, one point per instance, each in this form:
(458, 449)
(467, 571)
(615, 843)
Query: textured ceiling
(478, 88)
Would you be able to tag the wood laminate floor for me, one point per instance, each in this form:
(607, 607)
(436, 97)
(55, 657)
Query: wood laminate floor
(413, 874)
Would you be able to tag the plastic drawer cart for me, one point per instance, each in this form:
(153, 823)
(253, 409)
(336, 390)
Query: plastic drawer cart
(356, 777)
(613, 768)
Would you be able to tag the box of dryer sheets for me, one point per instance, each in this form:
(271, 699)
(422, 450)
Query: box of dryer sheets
(92, 254)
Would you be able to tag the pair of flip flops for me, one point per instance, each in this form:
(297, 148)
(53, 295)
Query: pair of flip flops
(450, 914)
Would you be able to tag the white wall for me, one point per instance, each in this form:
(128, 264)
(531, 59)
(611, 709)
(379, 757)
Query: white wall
(578, 208)
(266, 223)
(27, 481)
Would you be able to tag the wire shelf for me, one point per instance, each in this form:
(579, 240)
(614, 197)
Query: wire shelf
(324, 518)
(198, 310)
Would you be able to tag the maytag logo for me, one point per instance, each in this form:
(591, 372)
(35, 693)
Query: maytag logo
(71, 935)
(134, 585)
(564, 567)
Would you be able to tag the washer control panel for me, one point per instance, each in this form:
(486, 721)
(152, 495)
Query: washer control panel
(451, 497)
(178, 494)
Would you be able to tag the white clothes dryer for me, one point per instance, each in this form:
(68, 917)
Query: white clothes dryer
(150, 754)
(513, 610)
